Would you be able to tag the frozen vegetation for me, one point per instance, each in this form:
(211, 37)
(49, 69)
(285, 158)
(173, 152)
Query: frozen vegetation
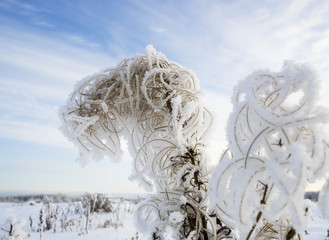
(275, 147)
(67, 220)
(92, 217)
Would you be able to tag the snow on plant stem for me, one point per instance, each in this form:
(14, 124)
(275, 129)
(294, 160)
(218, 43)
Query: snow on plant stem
(154, 104)
(14, 230)
(276, 147)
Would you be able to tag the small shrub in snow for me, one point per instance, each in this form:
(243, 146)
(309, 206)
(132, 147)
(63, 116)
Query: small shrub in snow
(50, 214)
(98, 203)
(41, 222)
(13, 230)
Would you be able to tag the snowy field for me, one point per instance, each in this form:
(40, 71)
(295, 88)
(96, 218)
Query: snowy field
(317, 226)
(68, 221)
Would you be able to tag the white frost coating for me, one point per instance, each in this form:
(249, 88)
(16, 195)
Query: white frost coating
(183, 199)
(153, 103)
(13, 230)
(176, 217)
(129, 99)
(276, 147)
(192, 236)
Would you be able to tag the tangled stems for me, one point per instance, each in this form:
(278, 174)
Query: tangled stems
(276, 148)
(153, 104)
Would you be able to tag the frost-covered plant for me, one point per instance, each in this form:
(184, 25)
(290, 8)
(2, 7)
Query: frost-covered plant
(87, 213)
(276, 147)
(63, 221)
(97, 202)
(49, 214)
(154, 104)
(55, 215)
(14, 230)
(41, 222)
(31, 223)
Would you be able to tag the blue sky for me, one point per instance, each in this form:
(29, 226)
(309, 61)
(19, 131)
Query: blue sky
(46, 46)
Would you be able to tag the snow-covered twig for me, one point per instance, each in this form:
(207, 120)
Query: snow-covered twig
(276, 147)
(153, 103)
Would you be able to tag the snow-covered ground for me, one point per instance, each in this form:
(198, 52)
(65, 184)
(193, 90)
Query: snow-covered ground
(120, 223)
(117, 224)
(317, 226)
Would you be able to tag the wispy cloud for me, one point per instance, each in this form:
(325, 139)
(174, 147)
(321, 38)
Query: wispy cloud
(37, 74)
(50, 56)
(19, 5)
(158, 29)
(44, 134)
(221, 41)
(46, 46)
(225, 41)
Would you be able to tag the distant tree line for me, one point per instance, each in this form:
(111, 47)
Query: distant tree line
(60, 198)
(313, 196)
(57, 198)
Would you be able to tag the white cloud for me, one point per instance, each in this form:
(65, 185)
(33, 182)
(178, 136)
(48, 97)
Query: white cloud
(221, 41)
(38, 73)
(20, 5)
(158, 29)
(43, 23)
(26, 88)
(225, 41)
(23, 130)
(49, 57)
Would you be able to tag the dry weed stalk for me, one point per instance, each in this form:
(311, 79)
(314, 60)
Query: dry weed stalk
(276, 148)
(154, 104)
